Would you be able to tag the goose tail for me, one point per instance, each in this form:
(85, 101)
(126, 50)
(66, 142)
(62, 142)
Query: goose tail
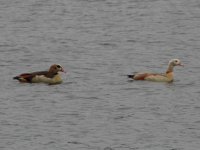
(131, 76)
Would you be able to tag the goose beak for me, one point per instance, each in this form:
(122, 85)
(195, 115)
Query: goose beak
(181, 65)
(62, 70)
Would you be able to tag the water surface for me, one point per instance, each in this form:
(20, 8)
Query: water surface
(98, 42)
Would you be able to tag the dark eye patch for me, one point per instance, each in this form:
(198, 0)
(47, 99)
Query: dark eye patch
(58, 66)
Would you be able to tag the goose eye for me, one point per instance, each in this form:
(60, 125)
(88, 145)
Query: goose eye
(58, 66)
(176, 61)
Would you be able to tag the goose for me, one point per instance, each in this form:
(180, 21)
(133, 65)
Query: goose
(168, 76)
(51, 76)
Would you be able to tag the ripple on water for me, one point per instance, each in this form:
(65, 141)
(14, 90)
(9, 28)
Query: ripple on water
(97, 107)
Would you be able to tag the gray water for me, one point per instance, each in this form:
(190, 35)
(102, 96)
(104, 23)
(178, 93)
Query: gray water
(98, 42)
